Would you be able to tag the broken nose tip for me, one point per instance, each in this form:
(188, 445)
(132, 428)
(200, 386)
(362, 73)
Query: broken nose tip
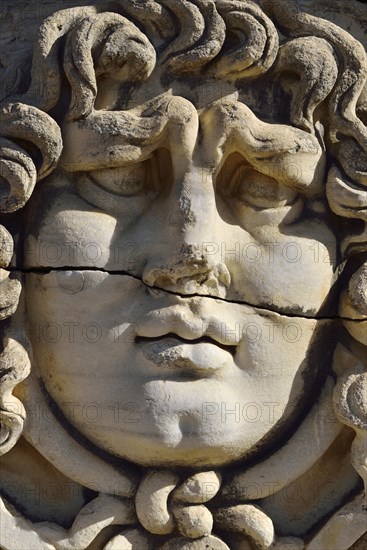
(193, 278)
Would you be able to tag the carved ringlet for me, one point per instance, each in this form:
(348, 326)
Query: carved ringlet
(126, 55)
(14, 367)
(312, 63)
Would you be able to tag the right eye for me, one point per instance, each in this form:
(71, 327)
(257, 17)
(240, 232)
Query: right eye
(126, 181)
(128, 189)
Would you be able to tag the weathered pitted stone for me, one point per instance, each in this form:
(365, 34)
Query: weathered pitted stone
(353, 305)
(193, 521)
(132, 539)
(198, 488)
(152, 502)
(249, 520)
(204, 543)
(183, 274)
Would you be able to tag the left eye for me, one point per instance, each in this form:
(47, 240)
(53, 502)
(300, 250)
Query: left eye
(259, 190)
(241, 184)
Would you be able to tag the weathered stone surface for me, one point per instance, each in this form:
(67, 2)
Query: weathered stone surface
(199, 544)
(183, 275)
(193, 521)
(198, 488)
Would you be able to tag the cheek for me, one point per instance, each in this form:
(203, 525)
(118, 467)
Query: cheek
(64, 230)
(291, 272)
(282, 362)
(266, 341)
(80, 330)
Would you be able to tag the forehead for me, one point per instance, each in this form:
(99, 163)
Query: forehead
(200, 91)
(264, 96)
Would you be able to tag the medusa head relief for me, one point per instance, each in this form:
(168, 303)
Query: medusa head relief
(183, 280)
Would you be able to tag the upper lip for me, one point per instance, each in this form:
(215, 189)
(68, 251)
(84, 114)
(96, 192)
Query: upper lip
(179, 320)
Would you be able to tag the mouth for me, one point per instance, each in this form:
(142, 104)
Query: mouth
(179, 340)
(182, 358)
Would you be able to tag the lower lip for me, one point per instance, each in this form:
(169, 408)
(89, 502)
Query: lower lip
(171, 352)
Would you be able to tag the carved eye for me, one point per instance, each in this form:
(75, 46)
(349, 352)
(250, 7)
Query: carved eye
(259, 190)
(255, 198)
(127, 190)
(126, 181)
(241, 183)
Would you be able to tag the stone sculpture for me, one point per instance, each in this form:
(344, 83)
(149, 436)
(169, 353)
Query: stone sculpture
(183, 292)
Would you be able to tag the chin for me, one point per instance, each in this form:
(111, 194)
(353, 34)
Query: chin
(190, 453)
(189, 446)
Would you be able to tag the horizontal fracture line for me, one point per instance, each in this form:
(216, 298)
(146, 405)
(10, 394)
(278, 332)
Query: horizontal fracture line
(47, 270)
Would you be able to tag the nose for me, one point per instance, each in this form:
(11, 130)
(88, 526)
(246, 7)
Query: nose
(189, 271)
(188, 260)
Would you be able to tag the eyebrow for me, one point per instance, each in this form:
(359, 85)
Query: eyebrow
(110, 139)
(283, 152)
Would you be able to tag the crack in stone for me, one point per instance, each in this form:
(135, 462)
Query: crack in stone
(46, 270)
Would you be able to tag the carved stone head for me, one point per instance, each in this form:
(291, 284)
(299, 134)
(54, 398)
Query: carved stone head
(184, 310)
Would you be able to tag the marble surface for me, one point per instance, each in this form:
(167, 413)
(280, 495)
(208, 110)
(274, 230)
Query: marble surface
(183, 275)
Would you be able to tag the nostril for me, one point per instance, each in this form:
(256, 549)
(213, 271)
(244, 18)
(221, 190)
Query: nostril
(160, 277)
(164, 281)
